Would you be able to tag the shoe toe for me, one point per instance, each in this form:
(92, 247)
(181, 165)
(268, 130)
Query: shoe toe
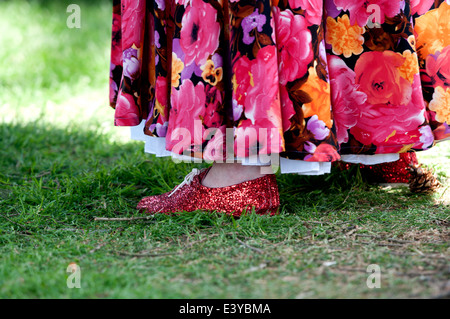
(151, 204)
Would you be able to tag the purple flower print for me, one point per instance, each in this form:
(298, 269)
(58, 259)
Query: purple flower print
(331, 10)
(130, 63)
(158, 45)
(161, 129)
(237, 110)
(318, 128)
(111, 68)
(426, 136)
(151, 107)
(188, 69)
(447, 127)
(157, 40)
(310, 147)
(161, 4)
(217, 60)
(255, 20)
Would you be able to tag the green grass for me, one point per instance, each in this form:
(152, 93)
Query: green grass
(62, 164)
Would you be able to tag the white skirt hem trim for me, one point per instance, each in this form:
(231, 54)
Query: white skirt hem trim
(157, 146)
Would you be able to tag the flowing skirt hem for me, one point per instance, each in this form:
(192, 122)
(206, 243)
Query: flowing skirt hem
(157, 146)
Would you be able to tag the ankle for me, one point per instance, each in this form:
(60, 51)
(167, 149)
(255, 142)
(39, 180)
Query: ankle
(227, 174)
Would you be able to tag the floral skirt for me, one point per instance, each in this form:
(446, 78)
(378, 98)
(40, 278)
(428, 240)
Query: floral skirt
(302, 83)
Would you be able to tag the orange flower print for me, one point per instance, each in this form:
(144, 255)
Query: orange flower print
(433, 29)
(177, 67)
(344, 38)
(211, 74)
(410, 67)
(441, 104)
(319, 91)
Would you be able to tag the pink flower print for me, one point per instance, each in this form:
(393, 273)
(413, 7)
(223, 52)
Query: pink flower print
(261, 129)
(132, 18)
(116, 46)
(127, 113)
(246, 139)
(188, 107)
(185, 3)
(345, 97)
(258, 138)
(161, 92)
(287, 108)
(241, 79)
(213, 100)
(262, 101)
(438, 68)
(360, 14)
(420, 6)
(215, 148)
(199, 36)
(212, 118)
(293, 44)
(313, 9)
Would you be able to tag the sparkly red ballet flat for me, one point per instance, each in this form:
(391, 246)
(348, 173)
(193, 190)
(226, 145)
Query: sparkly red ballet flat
(397, 172)
(260, 193)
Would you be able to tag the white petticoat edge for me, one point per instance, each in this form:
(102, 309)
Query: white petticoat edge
(157, 146)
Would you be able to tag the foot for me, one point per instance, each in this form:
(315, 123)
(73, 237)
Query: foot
(227, 174)
(260, 193)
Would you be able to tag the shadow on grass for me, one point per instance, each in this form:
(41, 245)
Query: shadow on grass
(40, 163)
(53, 182)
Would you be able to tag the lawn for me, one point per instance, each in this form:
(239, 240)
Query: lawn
(63, 163)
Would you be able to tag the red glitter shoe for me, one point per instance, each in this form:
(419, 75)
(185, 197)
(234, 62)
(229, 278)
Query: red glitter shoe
(388, 173)
(260, 193)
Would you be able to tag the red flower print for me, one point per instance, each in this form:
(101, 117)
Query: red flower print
(391, 126)
(324, 153)
(377, 76)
